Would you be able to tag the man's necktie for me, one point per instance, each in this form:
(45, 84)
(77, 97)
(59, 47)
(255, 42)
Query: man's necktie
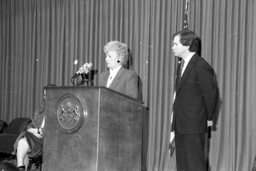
(179, 70)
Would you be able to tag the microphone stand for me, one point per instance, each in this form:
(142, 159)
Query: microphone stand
(73, 81)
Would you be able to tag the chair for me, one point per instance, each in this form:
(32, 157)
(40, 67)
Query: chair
(10, 134)
(37, 162)
(3, 126)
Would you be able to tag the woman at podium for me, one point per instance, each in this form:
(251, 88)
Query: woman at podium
(117, 77)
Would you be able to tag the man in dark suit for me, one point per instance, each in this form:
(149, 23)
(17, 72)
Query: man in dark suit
(118, 78)
(194, 102)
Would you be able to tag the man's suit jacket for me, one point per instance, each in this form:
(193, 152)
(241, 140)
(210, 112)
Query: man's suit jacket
(195, 97)
(125, 81)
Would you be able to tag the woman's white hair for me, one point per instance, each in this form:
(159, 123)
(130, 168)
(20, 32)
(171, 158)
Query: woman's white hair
(120, 48)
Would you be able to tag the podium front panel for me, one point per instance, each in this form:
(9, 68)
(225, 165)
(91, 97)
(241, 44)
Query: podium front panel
(91, 129)
(120, 133)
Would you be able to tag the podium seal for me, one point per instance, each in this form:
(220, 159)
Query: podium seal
(69, 113)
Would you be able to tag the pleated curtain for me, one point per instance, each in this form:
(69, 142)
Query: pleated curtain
(40, 40)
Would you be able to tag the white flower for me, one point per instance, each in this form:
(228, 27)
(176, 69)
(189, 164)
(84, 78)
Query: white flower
(86, 68)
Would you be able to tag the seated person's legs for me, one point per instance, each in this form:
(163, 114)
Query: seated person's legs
(22, 153)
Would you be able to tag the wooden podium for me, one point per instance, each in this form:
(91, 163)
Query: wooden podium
(91, 129)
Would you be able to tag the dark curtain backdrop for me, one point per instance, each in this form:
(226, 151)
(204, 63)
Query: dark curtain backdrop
(41, 39)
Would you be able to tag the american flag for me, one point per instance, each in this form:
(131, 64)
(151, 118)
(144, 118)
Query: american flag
(185, 19)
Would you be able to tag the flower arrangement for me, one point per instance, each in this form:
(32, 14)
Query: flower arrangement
(84, 71)
(85, 68)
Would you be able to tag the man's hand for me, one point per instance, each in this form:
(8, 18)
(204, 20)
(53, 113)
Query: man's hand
(209, 123)
(171, 143)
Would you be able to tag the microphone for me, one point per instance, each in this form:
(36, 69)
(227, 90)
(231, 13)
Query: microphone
(84, 69)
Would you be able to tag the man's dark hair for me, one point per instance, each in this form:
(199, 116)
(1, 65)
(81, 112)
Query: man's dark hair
(188, 38)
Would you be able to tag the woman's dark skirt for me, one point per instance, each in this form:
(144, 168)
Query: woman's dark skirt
(35, 144)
